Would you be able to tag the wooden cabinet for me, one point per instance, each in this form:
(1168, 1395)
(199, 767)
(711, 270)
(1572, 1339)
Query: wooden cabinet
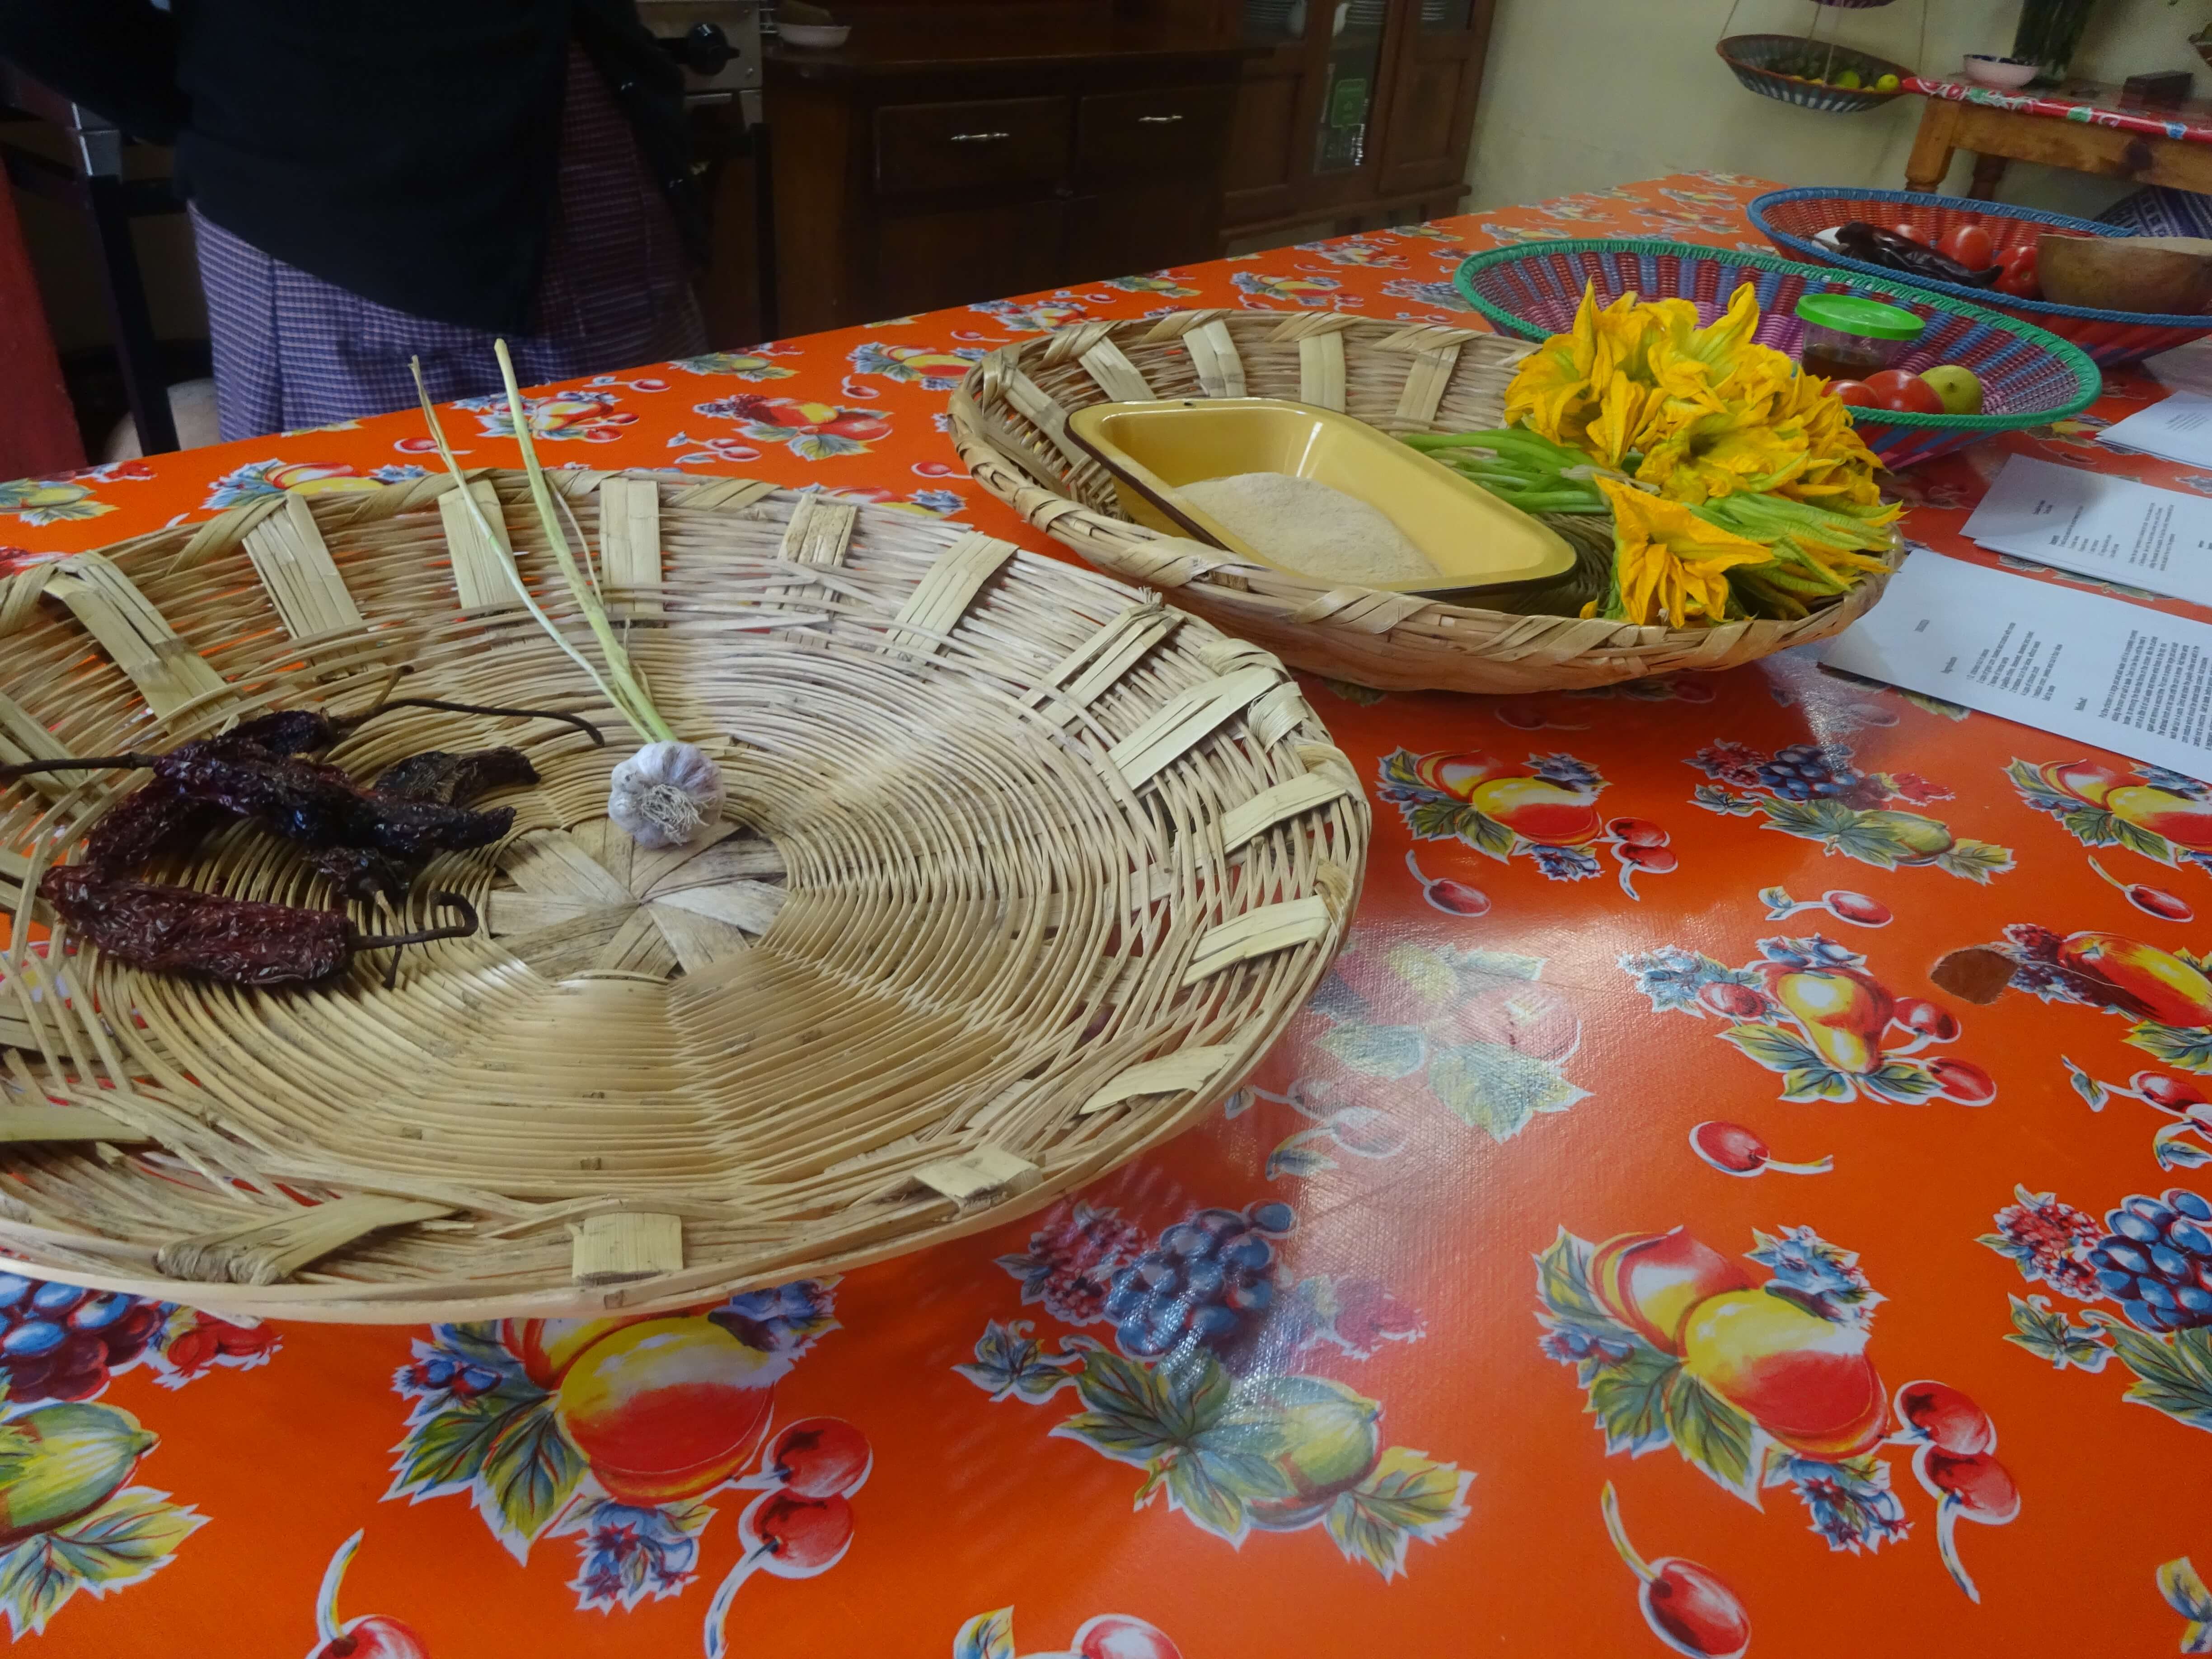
(1351, 112)
(912, 172)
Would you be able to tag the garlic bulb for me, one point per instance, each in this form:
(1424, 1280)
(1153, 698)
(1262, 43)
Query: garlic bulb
(666, 794)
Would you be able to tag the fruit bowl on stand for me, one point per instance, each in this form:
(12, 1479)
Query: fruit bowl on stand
(1019, 873)
(2028, 378)
(1790, 218)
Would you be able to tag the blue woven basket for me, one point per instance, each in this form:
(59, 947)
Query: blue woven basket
(1788, 219)
(2028, 378)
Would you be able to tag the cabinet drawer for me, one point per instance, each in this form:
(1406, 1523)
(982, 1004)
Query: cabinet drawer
(986, 142)
(1173, 130)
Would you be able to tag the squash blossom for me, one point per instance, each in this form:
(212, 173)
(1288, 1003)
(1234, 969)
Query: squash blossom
(1669, 564)
(1745, 464)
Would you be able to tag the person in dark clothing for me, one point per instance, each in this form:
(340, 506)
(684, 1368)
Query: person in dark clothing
(371, 183)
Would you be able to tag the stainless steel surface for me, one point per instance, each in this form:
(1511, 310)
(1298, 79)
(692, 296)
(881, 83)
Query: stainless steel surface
(717, 42)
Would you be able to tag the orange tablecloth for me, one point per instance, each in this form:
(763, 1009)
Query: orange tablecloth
(1593, 923)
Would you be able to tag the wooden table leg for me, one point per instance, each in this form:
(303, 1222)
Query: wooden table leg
(1933, 146)
(1989, 173)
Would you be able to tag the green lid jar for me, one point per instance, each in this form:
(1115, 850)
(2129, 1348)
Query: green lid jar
(1848, 338)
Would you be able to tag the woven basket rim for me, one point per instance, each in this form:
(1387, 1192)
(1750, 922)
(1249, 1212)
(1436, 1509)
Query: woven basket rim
(2089, 379)
(1627, 639)
(1848, 99)
(887, 591)
(1755, 211)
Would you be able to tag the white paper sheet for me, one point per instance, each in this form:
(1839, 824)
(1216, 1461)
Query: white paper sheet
(2177, 429)
(2096, 524)
(2123, 677)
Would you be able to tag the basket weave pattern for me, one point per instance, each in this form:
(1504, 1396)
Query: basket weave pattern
(1022, 872)
(1789, 218)
(1008, 423)
(2028, 377)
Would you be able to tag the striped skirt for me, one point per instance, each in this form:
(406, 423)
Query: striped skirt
(293, 350)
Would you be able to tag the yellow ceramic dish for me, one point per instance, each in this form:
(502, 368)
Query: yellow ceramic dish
(1153, 449)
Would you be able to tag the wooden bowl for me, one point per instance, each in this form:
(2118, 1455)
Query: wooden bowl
(2172, 275)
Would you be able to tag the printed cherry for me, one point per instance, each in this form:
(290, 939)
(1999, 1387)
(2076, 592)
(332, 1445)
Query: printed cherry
(1636, 832)
(1733, 1150)
(2168, 1094)
(2153, 901)
(1734, 1001)
(1946, 1417)
(797, 1537)
(1638, 844)
(1854, 907)
(1688, 1606)
(1926, 1019)
(1453, 897)
(785, 1534)
(372, 1637)
(820, 1457)
(1963, 1081)
(1117, 1635)
(1971, 1486)
(1658, 860)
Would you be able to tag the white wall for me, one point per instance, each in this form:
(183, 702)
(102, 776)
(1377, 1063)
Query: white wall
(1579, 94)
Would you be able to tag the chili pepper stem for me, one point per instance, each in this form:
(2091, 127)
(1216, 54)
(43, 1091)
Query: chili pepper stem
(88, 763)
(447, 901)
(598, 738)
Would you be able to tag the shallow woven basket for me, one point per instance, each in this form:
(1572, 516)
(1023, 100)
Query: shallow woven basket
(1772, 66)
(1022, 872)
(1009, 419)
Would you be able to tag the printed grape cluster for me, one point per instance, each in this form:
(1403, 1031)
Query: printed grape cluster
(2156, 1261)
(60, 1341)
(1806, 769)
(1207, 1282)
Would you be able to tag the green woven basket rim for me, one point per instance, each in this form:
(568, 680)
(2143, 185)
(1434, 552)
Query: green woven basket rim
(2088, 381)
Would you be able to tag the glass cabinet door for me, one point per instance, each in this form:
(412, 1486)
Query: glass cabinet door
(1348, 102)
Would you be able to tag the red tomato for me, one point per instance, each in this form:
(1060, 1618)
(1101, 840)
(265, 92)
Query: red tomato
(1894, 388)
(1857, 393)
(1970, 245)
(2019, 278)
(1905, 227)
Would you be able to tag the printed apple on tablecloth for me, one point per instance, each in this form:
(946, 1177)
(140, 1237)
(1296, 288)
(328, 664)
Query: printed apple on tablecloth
(1765, 1383)
(1108, 1636)
(617, 1430)
(2162, 815)
(1544, 808)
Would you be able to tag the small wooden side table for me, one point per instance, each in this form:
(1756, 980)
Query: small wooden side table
(2084, 126)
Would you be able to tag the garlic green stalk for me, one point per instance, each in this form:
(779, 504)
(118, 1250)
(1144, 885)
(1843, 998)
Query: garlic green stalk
(668, 792)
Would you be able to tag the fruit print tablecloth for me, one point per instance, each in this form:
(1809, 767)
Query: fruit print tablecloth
(1633, 1246)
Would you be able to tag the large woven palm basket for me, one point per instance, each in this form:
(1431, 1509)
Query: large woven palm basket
(1010, 424)
(1021, 870)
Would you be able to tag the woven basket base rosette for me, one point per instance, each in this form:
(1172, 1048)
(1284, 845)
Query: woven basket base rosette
(1021, 872)
(1009, 425)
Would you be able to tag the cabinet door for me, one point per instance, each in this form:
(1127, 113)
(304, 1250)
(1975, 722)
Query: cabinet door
(1267, 158)
(1430, 114)
(981, 144)
(927, 260)
(1140, 229)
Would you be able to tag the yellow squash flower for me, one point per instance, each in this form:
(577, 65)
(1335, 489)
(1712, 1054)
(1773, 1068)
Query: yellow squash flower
(1668, 564)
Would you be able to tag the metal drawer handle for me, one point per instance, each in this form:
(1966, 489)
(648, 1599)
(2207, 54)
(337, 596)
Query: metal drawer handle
(1157, 121)
(979, 138)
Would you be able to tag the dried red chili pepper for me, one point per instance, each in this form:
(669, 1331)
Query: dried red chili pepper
(242, 941)
(437, 777)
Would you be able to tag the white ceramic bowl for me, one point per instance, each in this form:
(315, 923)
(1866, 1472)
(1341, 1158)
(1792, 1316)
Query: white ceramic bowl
(813, 35)
(2009, 73)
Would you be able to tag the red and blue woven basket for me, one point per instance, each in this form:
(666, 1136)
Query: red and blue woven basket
(2028, 378)
(1788, 219)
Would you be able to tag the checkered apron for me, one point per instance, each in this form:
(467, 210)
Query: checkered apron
(293, 350)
